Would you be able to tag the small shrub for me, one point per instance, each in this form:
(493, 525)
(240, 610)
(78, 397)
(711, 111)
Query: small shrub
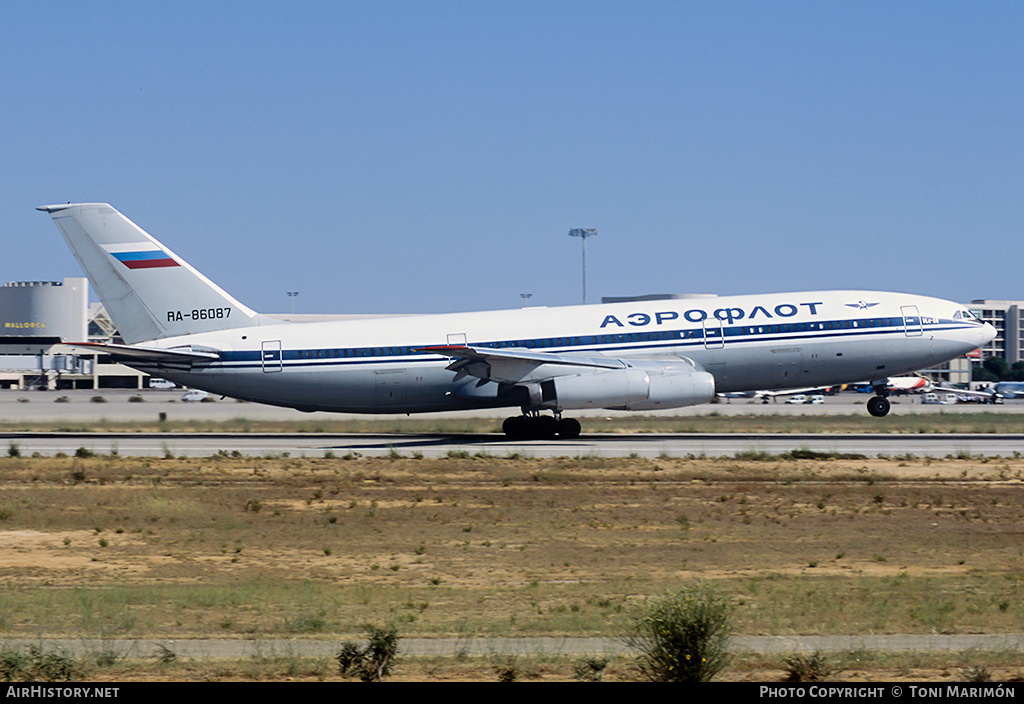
(809, 668)
(13, 450)
(507, 669)
(98, 399)
(374, 662)
(589, 669)
(683, 636)
(35, 665)
(165, 655)
(978, 673)
(307, 623)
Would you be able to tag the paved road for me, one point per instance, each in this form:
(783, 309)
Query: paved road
(440, 445)
(450, 647)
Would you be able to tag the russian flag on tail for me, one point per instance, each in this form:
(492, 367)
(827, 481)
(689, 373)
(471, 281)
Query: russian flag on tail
(138, 255)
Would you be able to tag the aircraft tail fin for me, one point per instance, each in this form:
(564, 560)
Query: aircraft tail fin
(148, 291)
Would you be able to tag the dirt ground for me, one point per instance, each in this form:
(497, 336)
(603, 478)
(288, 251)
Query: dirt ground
(485, 546)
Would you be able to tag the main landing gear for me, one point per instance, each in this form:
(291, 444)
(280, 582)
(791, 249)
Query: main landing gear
(878, 405)
(533, 426)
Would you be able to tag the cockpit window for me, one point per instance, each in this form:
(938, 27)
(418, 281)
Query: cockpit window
(964, 314)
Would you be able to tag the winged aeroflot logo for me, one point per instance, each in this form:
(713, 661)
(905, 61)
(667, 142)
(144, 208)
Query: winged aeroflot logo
(862, 305)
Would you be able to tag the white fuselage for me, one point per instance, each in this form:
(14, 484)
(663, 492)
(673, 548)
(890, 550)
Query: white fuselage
(755, 342)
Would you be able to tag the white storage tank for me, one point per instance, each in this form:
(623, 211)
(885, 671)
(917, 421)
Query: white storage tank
(51, 309)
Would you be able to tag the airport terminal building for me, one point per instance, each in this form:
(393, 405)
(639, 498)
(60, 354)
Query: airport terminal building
(37, 316)
(1007, 317)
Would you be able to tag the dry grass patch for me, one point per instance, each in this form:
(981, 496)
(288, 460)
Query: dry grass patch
(229, 546)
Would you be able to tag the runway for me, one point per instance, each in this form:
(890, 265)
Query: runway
(54, 408)
(118, 405)
(441, 445)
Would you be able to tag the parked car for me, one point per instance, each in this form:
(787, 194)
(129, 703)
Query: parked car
(816, 399)
(155, 383)
(195, 395)
(797, 398)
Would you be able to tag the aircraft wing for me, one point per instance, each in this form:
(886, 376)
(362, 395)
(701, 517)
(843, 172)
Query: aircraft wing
(966, 393)
(514, 365)
(559, 381)
(134, 354)
(790, 392)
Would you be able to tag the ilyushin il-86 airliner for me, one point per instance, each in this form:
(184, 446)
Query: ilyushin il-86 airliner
(653, 355)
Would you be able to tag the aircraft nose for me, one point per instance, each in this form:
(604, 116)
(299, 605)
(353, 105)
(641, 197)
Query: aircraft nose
(988, 334)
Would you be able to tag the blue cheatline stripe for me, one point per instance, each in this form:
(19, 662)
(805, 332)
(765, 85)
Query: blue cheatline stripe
(610, 342)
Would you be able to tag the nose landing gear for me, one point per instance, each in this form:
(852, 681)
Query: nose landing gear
(878, 405)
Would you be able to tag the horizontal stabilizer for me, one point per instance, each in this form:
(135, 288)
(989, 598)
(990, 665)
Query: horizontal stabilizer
(151, 355)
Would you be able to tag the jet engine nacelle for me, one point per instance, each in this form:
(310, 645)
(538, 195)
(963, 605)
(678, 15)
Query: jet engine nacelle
(626, 389)
(674, 389)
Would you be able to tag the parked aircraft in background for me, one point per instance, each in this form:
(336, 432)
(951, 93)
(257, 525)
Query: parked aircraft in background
(1010, 389)
(899, 385)
(653, 355)
(908, 384)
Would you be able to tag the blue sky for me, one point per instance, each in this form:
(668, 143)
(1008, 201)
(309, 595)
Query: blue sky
(425, 156)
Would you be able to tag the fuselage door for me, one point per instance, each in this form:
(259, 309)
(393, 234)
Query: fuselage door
(787, 365)
(389, 387)
(271, 356)
(912, 321)
(714, 334)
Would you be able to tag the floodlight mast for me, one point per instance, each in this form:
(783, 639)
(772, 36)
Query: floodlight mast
(583, 234)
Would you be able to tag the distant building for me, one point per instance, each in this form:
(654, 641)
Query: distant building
(1007, 317)
(35, 318)
(37, 310)
(955, 371)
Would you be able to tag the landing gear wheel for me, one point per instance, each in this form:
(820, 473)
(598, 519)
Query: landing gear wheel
(544, 428)
(540, 428)
(878, 406)
(569, 428)
(516, 426)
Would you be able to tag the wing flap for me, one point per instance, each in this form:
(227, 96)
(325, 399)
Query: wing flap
(515, 365)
